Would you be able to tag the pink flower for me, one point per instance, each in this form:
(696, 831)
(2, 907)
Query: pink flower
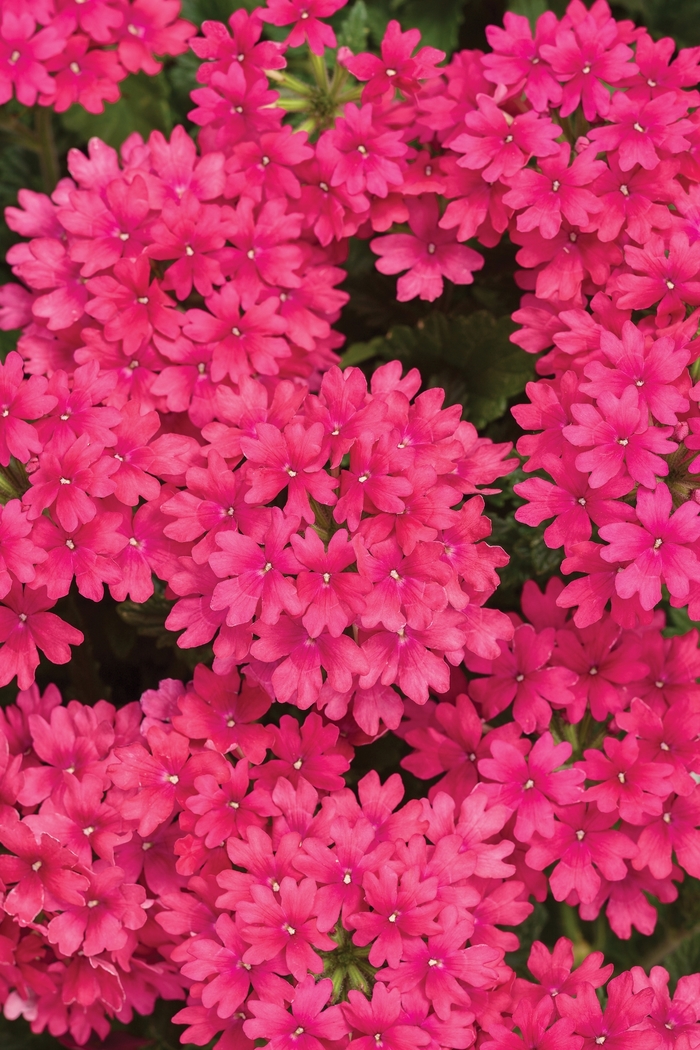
(530, 785)
(572, 501)
(152, 27)
(657, 549)
(635, 127)
(635, 788)
(190, 233)
(586, 58)
(618, 434)
(555, 970)
(301, 655)
(620, 1024)
(673, 831)
(340, 871)
(517, 56)
(501, 144)
(306, 15)
(537, 1028)
(20, 400)
(256, 577)
(111, 909)
(402, 908)
(583, 848)
(285, 926)
(308, 751)
(39, 868)
(428, 255)
(558, 192)
(222, 711)
(519, 676)
(663, 276)
(381, 1016)
(331, 597)
(130, 306)
(441, 969)
(651, 370)
(363, 152)
(22, 52)
(307, 1027)
(396, 70)
(25, 627)
(292, 458)
(151, 777)
(68, 475)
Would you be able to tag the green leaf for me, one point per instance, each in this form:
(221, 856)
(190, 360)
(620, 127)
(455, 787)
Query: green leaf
(532, 9)
(471, 357)
(354, 29)
(16, 1035)
(199, 11)
(144, 105)
(8, 341)
(439, 24)
(361, 352)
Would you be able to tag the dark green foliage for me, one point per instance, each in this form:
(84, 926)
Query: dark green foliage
(470, 357)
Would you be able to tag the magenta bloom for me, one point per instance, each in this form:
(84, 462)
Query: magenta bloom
(636, 128)
(658, 549)
(306, 16)
(651, 370)
(402, 909)
(520, 676)
(366, 155)
(431, 254)
(397, 69)
(619, 436)
(501, 144)
(583, 848)
(301, 656)
(256, 578)
(26, 626)
(663, 277)
(307, 1027)
(286, 926)
(292, 458)
(39, 868)
(530, 785)
(538, 1030)
(559, 192)
(620, 1025)
(68, 475)
(111, 909)
(586, 58)
(634, 788)
(383, 1017)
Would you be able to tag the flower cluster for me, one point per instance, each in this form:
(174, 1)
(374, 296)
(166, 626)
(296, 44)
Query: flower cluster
(582, 142)
(57, 54)
(622, 821)
(178, 847)
(578, 143)
(179, 316)
(79, 938)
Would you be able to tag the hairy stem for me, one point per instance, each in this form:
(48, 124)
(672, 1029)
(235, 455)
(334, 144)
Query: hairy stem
(48, 154)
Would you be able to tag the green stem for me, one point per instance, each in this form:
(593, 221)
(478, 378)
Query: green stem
(320, 71)
(48, 154)
(670, 944)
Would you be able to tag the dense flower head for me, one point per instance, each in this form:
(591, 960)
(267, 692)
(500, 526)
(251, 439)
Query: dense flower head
(325, 532)
(57, 54)
(624, 802)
